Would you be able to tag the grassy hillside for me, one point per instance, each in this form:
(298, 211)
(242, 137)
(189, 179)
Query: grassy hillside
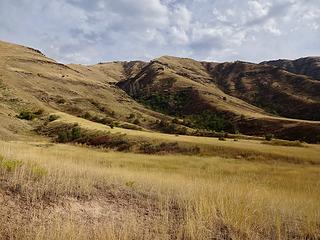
(170, 94)
(135, 150)
(29, 82)
(309, 66)
(277, 91)
(209, 145)
(51, 191)
(251, 97)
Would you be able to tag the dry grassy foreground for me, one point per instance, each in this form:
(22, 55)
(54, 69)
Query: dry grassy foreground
(50, 191)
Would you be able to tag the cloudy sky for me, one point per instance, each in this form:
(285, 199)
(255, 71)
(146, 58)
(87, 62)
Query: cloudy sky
(91, 31)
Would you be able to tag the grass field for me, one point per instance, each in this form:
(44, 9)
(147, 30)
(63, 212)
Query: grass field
(212, 146)
(52, 191)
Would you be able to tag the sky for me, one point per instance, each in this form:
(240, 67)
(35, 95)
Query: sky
(92, 31)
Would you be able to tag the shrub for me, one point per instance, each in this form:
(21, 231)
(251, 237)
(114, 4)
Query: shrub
(284, 143)
(61, 101)
(26, 115)
(131, 116)
(167, 102)
(62, 137)
(163, 148)
(52, 118)
(269, 136)
(136, 121)
(75, 133)
(9, 165)
(175, 120)
(166, 127)
(113, 141)
(39, 112)
(87, 115)
(211, 121)
(130, 184)
(105, 120)
(69, 134)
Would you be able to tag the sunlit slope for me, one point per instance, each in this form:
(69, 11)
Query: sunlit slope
(210, 145)
(164, 82)
(31, 81)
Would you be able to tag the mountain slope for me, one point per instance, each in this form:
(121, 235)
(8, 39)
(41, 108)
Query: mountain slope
(270, 88)
(309, 66)
(31, 81)
(244, 97)
(163, 83)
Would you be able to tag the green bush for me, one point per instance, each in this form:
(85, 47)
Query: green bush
(130, 184)
(39, 112)
(210, 121)
(284, 143)
(131, 116)
(75, 133)
(62, 137)
(165, 148)
(26, 115)
(269, 136)
(167, 102)
(136, 121)
(52, 118)
(69, 135)
(9, 165)
(87, 115)
(61, 101)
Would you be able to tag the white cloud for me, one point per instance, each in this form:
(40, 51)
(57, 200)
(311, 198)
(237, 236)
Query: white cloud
(100, 30)
(181, 17)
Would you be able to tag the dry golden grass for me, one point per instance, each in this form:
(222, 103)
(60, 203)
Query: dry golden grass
(70, 192)
(212, 146)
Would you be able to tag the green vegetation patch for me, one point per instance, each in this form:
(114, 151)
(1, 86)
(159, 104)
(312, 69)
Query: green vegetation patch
(164, 148)
(53, 117)
(26, 115)
(171, 103)
(211, 121)
(9, 165)
(69, 134)
(285, 143)
(30, 115)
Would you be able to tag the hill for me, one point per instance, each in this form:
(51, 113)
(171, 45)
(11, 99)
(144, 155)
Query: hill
(309, 66)
(151, 150)
(254, 98)
(169, 94)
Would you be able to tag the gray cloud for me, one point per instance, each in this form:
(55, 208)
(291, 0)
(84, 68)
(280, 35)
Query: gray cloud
(90, 31)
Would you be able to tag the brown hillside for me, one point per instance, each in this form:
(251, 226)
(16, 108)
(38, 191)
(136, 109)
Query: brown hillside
(309, 66)
(162, 89)
(30, 81)
(228, 89)
(275, 90)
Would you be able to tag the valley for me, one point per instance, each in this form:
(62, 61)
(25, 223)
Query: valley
(173, 148)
